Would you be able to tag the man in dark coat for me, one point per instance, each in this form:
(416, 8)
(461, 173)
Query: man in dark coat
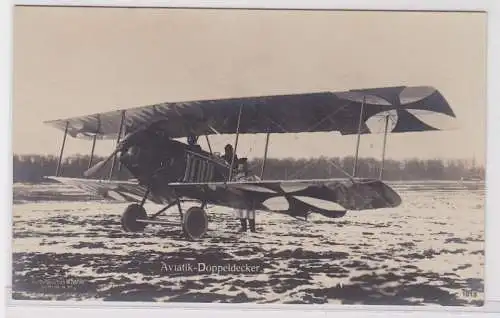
(228, 156)
(246, 216)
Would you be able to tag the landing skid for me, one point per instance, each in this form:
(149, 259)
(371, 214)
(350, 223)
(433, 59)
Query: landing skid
(194, 222)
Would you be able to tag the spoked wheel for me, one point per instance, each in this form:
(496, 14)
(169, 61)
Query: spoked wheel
(195, 223)
(129, 219)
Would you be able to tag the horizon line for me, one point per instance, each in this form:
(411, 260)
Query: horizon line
(472, 158)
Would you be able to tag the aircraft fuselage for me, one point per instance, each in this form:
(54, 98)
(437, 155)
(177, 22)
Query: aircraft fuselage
(156, 160)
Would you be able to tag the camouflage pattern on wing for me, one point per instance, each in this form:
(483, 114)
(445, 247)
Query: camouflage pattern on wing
(296, 198)
(293, 113)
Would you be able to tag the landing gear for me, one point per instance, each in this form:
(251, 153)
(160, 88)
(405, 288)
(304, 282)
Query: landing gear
(194, 223)
(131, 218)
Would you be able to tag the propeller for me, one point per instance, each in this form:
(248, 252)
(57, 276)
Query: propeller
(121, 145)
(98, 166)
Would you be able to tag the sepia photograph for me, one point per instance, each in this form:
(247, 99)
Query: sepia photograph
(195, 155)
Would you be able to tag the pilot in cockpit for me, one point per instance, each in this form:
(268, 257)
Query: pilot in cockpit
(193, 143)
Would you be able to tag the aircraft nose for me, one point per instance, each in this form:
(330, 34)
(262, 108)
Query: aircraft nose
(132, 151)
(130, 154)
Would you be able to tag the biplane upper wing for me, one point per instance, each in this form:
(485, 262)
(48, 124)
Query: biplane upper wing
(311, 112)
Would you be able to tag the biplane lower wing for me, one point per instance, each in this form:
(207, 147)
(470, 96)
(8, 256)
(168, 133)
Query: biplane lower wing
(128, 191)
(296, 197)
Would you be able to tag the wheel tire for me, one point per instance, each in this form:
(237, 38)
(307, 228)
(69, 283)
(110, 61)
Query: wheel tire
(195, 223)
(129, 219)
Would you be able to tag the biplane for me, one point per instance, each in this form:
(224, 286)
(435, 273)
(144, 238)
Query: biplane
(168, 171)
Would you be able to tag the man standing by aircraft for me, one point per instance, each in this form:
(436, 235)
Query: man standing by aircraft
(228, 156)
(241, 175)
(247, 214)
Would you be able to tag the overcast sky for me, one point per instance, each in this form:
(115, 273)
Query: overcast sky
(75, 61)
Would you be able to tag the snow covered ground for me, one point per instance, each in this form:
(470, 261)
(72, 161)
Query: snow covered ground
(428, 251)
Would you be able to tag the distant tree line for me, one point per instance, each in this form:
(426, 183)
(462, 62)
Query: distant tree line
(34, 168)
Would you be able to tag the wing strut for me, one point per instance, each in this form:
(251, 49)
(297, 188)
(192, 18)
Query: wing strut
(355, 167)
(235, 144)
(117, 142)
(58, 169)
(94, 141)
(383, 149)
(208, 143)
(92, 151)
(265, 156)
(124, 133)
